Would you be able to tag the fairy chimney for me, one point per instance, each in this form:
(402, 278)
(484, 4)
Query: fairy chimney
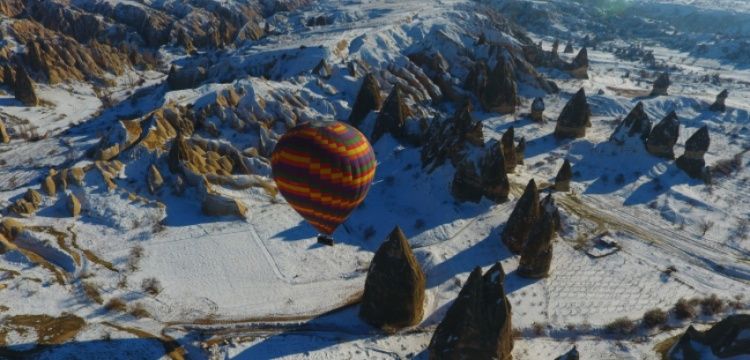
(395, 286)
(521, 220)
(664, 136)
(692, 161)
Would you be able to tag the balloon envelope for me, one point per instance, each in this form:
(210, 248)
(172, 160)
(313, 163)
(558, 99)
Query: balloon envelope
(323, 171)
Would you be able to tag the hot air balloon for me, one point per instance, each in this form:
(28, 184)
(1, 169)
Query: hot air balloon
(324, 171)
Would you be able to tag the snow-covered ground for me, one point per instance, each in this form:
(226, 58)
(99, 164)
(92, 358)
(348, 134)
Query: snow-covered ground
(261, 287)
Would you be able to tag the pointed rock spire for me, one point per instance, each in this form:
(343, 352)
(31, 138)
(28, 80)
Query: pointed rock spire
(509, 150)
(368, 99)
(154, 179)
(555, 47)
(500, 93)
(636, 123)
(664, 136)
(574, 117)
(661, 85)
(692, 161)
(520, 149)
(563, 177)
(24, 88)
(536, 256)
(395, 286)
(323, 69)
(467, 184)
(74, 206)
(719, 105)
(537, 110)
(495, 184)
(521, 220)
(393, 116)
(478, 324)
(570, 355)
(4, 138)
(580, 66)
(568, 47)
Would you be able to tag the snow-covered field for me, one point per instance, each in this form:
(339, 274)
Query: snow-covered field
(261, 287)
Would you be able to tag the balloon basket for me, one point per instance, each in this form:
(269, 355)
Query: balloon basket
(325, 239)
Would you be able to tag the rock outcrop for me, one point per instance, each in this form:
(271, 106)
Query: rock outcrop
(186, 77)
(33, 197)
(574, 118)
(467, 184)
(521, 220)
(636, 124)
(726, 339)
(368, 99)
(494, 179)
(536, 255)
(218, 205)
(563, 177)
(692, 161)
(4, 138)
(478, 324)
(24, 88)
(11, 228)
(154, 179)
(664, 136)
(323, 69)
(394, 119)
(661, 85)
(499, 93)
(448, 139)
(537, 110)
(579, 67)
(719, 105)
(568, 48)
(520, 150)
(74, 205)
(48, 184)
(509, 150)
(395, 286)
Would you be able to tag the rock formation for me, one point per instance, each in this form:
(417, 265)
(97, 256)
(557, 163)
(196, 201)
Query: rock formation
(24, 88)
(368, 99)
(636, 124)
(494, 179)
(536, 255)
(719, 105)
(74, 205)
(555, 48)
(28, 204)
(449, 138)
(478, 324)
(726, 339)
(154, 179)
(4, 138)
(186, 77)
(323, 69)
(548, 205)
(33, 197)
(563, 177)
(11, 228)
(661, 85)
(692, 161)
(520, 149)
(48, 185)
(509, 150)
(664, 136)
(574, 117)
(568, 48)
(393, 118)
(537, 110)
(218, 205)
(467, 184)
(395, 286)
(570, 355)
(499, 93)
(521, 220)
(580, 66)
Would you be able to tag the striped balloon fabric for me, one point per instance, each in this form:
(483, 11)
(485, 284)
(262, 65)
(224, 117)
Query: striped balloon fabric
(324, 171)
